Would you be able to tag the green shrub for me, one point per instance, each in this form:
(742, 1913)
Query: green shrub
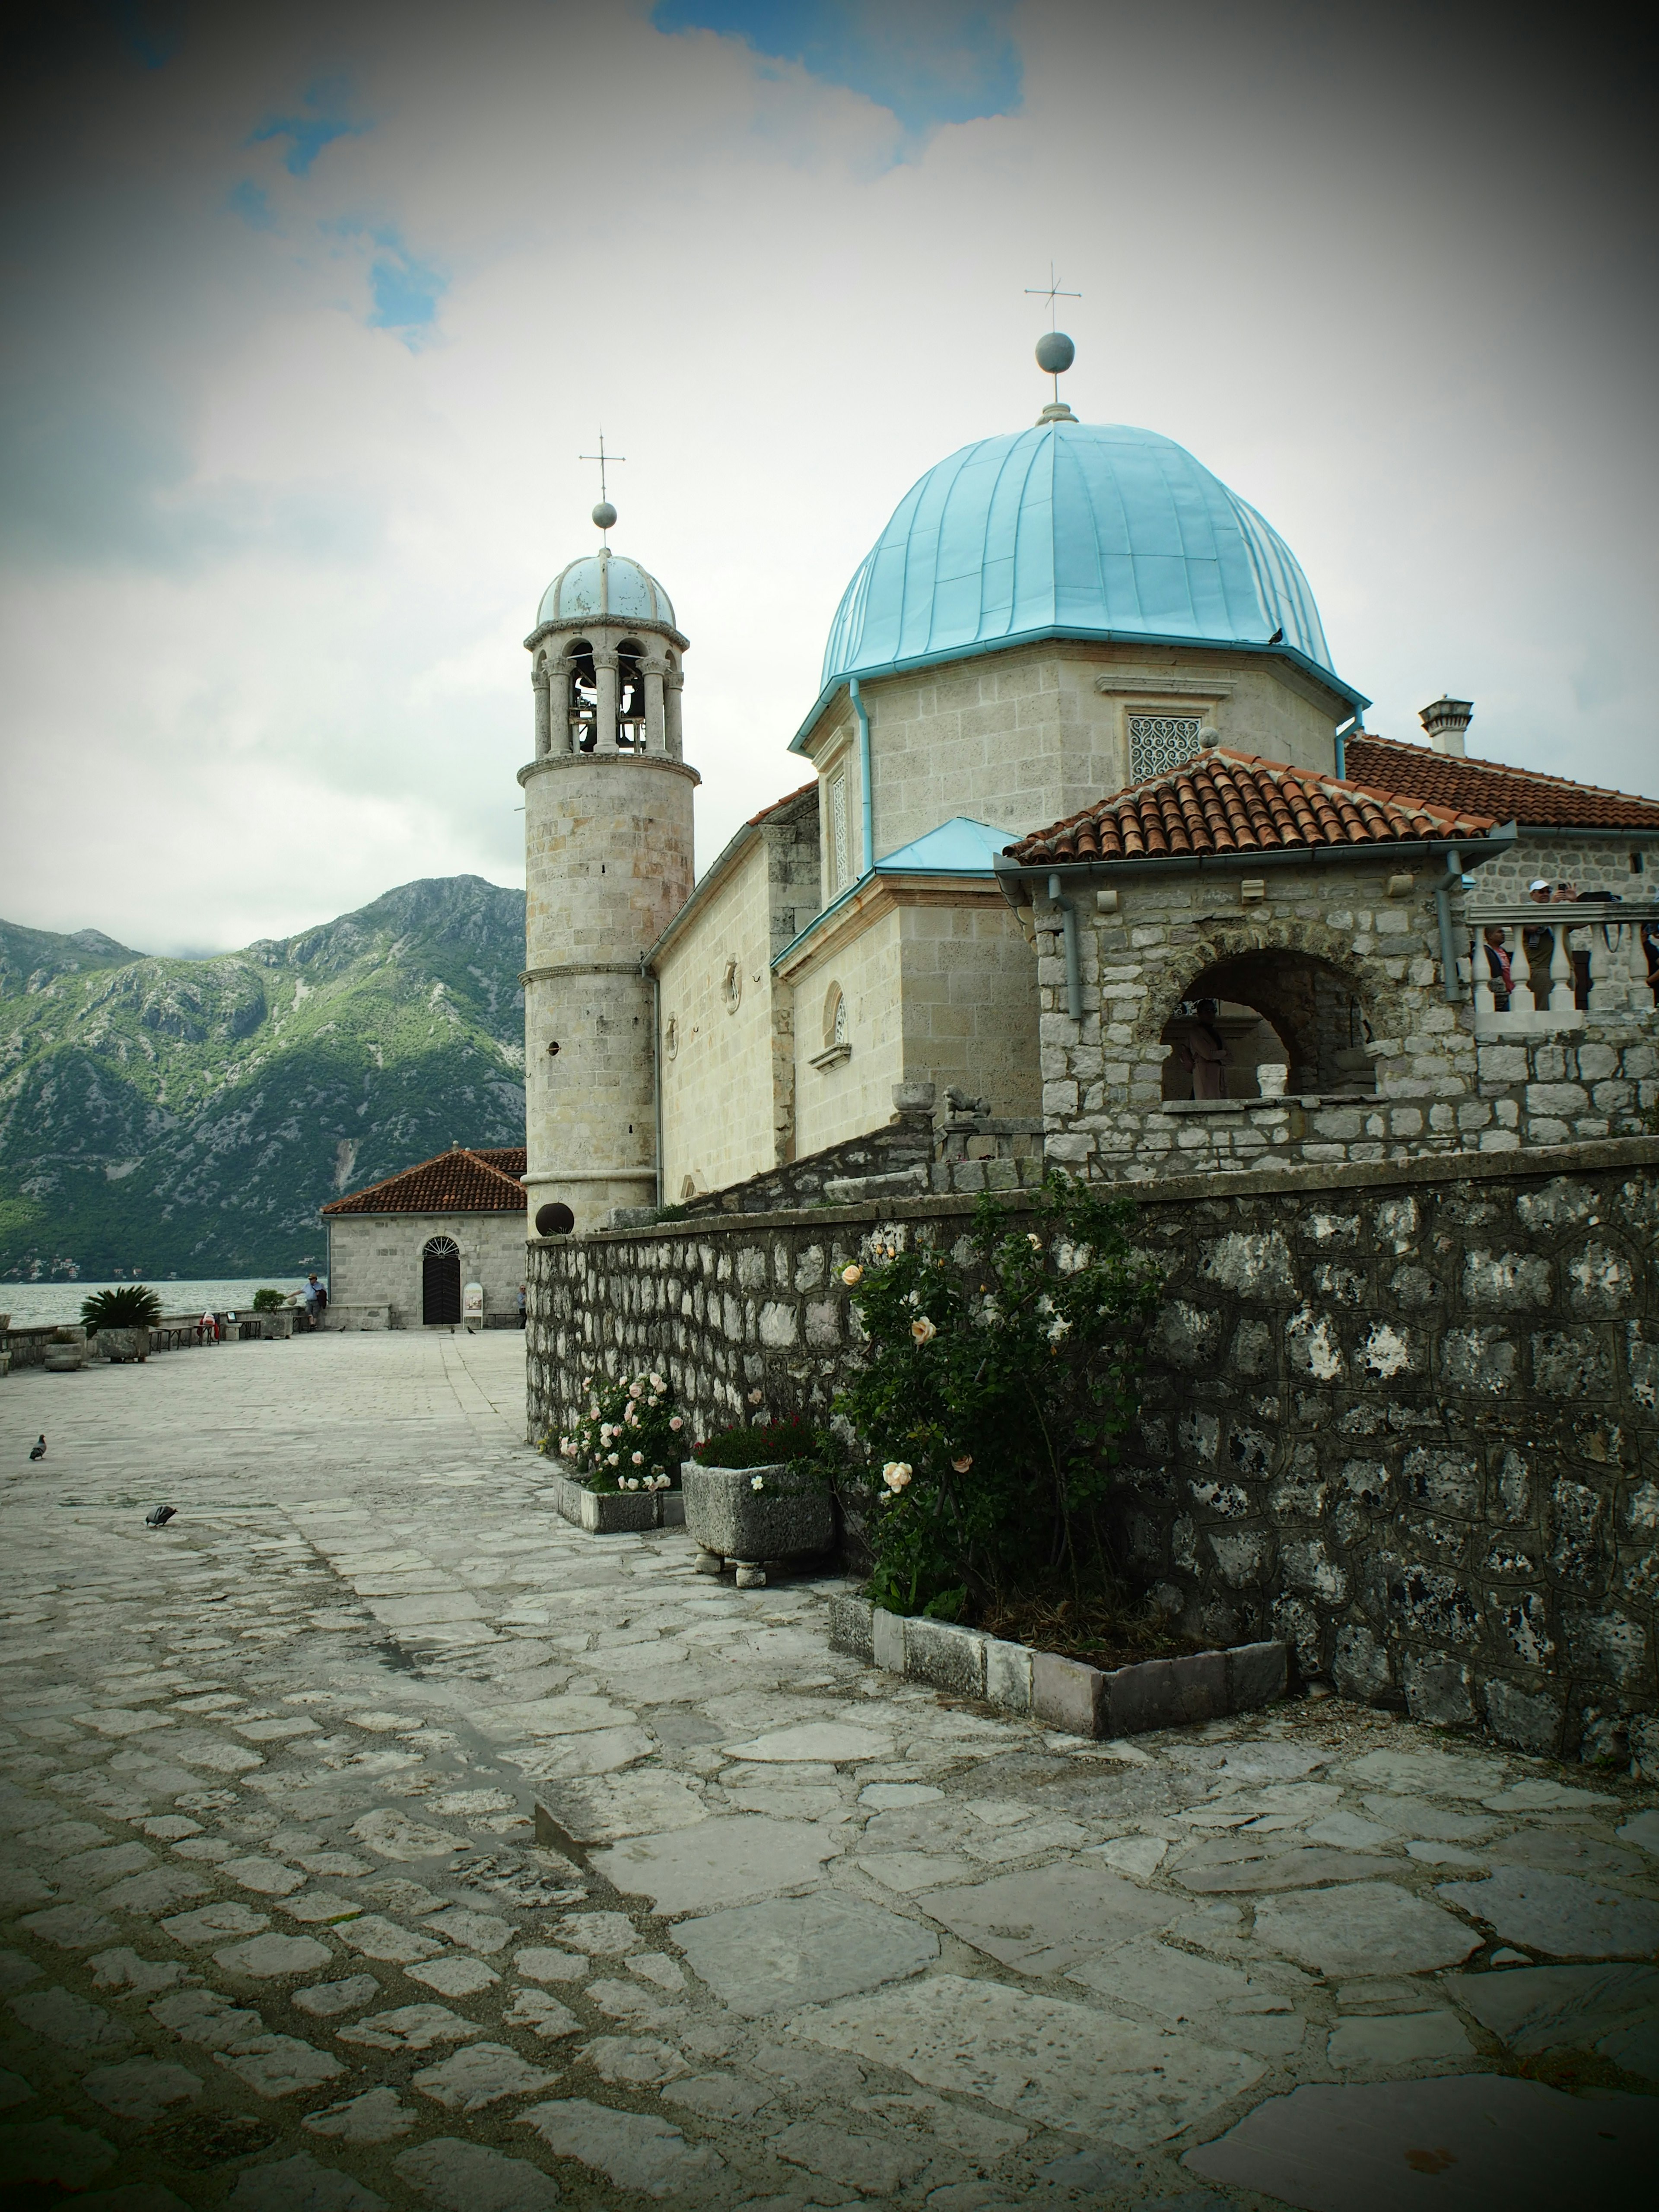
(989, 1406)
(132, 1305)
(764, 1444)
(631, 1437)
(269, 1301)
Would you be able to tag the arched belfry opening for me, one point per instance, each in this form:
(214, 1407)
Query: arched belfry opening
(630, 697)
(583, 685)
(1275, 1009)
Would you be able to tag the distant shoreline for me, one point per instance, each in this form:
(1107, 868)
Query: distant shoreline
(35, 1305)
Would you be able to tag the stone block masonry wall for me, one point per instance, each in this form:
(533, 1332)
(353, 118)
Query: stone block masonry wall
(1404, 1413)
(1368, 928)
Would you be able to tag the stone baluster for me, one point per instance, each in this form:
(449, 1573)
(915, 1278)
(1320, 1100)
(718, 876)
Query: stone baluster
(655, 739)
(606, 669)
(1521, 994)
(1483, 966)
(1562, 998)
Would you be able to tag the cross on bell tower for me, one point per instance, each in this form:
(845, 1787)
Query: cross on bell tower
(605, 515)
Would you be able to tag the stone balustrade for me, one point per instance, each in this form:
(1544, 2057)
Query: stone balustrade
(1546, 946)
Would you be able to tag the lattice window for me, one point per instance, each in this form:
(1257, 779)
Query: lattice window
(1158, 743)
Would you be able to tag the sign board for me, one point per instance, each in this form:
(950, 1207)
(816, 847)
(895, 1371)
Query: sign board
(472, 1305)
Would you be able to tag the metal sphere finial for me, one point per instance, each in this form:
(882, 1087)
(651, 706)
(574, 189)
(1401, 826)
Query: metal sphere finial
(1055, 352)
(605, 515)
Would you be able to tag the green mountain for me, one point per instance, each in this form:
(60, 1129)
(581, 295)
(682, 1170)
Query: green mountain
(188, 1117)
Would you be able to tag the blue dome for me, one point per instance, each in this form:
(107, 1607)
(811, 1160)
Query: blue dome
(1090, 529)
(605, 584)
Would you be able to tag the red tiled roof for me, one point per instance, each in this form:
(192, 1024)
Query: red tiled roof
(778, 804)
(455, 1182)
(1507, 795)
(1227, 802)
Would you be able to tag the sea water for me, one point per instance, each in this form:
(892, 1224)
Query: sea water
(36, 1305)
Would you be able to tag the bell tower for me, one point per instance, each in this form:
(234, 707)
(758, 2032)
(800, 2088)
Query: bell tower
(608, 862)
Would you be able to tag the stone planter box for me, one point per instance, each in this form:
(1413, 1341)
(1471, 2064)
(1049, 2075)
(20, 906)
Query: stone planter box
(733, 1521)
(119, 1346)
(615, 1513)
(279, 1324)
(1065, 1693)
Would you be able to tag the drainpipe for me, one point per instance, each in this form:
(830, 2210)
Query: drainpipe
(864, 772)
(1068, 927)
(1449, 883)
(656, 1069)
(1342, 750)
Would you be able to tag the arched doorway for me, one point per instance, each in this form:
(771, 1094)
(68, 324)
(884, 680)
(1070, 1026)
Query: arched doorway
(1272, 1008)
(441, 1280)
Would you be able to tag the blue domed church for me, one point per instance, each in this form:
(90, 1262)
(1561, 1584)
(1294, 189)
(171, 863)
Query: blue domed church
(1091, 862)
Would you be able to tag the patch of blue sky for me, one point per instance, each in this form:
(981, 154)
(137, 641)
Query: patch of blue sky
(151, 43)
(253, 202)
(308, 134)
(405, 292)
(928, 62)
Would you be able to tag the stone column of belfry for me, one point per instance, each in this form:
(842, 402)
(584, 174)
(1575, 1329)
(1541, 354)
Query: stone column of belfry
(673, 685)
(654, 740)
(540, 685)
(608, 862)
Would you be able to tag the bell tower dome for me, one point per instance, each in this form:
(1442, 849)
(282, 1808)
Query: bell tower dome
(608, 863)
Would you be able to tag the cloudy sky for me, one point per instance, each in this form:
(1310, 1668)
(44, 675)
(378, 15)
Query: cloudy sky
(313, 309)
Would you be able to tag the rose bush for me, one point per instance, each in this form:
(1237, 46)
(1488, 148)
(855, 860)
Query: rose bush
(631, 1437)
(987, 1408)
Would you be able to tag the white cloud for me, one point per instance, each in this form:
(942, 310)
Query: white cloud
(271, 565)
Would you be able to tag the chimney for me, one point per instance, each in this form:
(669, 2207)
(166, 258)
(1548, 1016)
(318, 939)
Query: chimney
(1446, 721)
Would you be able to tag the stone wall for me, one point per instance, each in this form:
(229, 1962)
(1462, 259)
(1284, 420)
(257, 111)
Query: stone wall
(1406, 1413)
(1368, 928)
(374, 1260)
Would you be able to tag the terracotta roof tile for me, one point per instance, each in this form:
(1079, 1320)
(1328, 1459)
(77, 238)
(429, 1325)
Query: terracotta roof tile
(1227, 802)
(458, 1181)
(1507, 795)
(778, 804)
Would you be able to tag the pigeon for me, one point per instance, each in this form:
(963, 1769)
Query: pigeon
(160, 1517)
(37, 1449)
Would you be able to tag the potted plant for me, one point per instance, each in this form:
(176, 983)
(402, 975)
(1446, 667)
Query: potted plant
(622, 1455)
(121, 1319)
(754, 1494)
(66, 1351)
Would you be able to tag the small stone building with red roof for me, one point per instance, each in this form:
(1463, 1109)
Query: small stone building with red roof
(402, 1253)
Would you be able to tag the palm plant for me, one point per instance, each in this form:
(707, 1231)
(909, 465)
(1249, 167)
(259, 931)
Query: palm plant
(130, 1305)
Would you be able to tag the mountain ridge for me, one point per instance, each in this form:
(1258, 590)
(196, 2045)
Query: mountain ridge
(169, 1115)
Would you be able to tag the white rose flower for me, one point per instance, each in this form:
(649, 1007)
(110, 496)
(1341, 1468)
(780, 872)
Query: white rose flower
(851, 1276)
(675, 1422)
(922, 1329)
(639, 1459)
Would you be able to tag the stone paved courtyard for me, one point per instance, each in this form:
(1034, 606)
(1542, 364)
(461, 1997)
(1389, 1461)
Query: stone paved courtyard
(285, 1928)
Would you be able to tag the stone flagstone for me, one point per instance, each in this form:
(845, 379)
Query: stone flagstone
(481, 2075)
(802, 1950)
(1383, 2147)
(376, 2116)
(1050, 2064)
(465, 2177)
(633, 2151)
(453, 1976)
(74, 2022)
(542, 2015)
(409, 2027)
(142, 2089)
(279, 2066)
(1562, 1914)
(325, 2000)
(301, 2184)
(1366, 1928)
(267, 1958)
